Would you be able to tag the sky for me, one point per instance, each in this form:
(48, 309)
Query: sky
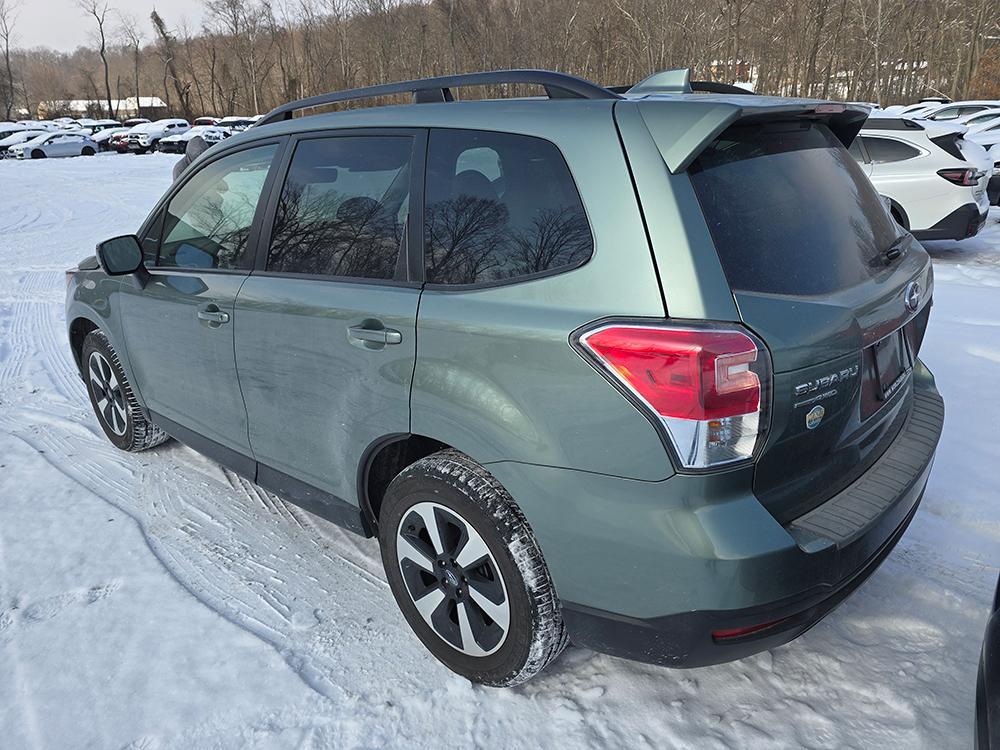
(61, 25)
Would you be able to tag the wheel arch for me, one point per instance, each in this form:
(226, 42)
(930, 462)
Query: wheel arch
(382, 461)
(80, 327)
(904, 219)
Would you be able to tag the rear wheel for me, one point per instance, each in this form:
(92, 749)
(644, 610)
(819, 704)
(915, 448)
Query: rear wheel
(87, 151)
(112, 398)
(467, 572)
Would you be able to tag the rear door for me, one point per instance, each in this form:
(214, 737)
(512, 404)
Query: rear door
(179, 327)
(326, 334)
(803, 240)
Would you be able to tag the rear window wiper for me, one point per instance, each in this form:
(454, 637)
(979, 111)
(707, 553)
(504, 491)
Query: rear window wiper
(897, 248)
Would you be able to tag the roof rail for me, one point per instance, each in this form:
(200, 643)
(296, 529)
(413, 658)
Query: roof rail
(425, 90)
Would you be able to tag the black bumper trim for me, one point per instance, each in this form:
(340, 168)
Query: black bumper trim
(962, 223)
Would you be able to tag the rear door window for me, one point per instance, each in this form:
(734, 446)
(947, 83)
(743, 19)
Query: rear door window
(790, 211)
(887, 150)
(499, 207)
(343, 208)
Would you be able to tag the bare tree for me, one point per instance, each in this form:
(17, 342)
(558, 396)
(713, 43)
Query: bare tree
(99, 12)
(7, 18)
(132, 38)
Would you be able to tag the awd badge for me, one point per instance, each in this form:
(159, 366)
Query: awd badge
(814, 416)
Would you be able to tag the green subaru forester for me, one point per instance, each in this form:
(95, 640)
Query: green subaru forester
(633, 369)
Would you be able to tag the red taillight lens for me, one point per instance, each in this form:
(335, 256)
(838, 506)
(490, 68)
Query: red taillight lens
(708, 386)
(963, 177)
(683, 373)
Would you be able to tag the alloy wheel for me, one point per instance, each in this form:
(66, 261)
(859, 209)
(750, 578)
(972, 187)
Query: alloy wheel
(107, 393)
(453, 579)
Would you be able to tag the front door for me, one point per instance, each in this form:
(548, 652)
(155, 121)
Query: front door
(179, 328)
(326, 339)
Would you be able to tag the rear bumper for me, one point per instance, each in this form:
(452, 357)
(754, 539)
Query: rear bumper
(993, 190)
(834, 549)
(962, 223)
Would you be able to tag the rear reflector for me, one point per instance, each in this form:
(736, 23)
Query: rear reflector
(722, 635)
(707, 386)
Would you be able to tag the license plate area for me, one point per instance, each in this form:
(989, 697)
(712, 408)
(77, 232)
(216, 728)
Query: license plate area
(887, 366)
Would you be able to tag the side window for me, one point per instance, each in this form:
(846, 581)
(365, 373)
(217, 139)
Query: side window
(884, 150)
(856, 151)
(343, 208)
(207, 223)
(499, 207)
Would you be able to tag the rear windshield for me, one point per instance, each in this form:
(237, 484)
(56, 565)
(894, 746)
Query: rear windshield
(790, 210)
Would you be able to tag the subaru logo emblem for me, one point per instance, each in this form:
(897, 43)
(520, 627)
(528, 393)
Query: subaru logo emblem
(814, 416)
(912, 296)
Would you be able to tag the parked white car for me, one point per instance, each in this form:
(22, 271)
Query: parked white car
(934, 179)
(17, 137)
(103, 137)
(143, 138)
(955, 110)
(176, 144)
(55, 145)
(235, 124)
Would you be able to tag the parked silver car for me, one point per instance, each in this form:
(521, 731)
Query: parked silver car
(55, 144)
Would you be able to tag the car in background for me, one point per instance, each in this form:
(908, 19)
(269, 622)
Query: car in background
(55, 145)
(934, 179)
(39, 124)
(955, 110)
(236, 124)
(133, 121)
(143, 138)
(988, 683)
(980, 119)
(82, 123)
(177, 144)
(205, 121)
(986, 136)
(8, 129)
(993, 188)
(20, 136)
(103, 138)
(102, 125)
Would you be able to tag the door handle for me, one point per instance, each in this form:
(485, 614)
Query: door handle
(375, 335)
(213, 315)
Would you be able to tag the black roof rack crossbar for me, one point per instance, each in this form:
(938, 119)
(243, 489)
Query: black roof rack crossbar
(427, 90)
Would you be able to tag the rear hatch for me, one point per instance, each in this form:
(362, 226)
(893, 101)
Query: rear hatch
(836, 290)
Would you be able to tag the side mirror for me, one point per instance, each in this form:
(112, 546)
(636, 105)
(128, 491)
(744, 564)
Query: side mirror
(120, 255)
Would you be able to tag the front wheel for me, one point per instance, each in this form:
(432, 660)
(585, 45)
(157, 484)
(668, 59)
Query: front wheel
(37, 154)
(467, 572)
(111, 396)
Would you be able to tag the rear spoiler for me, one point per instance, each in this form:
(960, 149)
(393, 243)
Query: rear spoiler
(683, 128)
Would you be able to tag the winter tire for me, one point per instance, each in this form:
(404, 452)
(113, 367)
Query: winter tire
(112, 398)
(87, 151)
(467, 573)
(37, 154)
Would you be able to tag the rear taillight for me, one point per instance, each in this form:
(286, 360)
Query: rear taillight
(709, 387)
(964, 177)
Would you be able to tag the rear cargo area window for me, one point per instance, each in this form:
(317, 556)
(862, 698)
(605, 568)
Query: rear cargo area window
(790, 211)
(499, 207)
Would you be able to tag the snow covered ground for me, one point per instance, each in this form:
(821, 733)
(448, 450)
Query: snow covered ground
(158, 601)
